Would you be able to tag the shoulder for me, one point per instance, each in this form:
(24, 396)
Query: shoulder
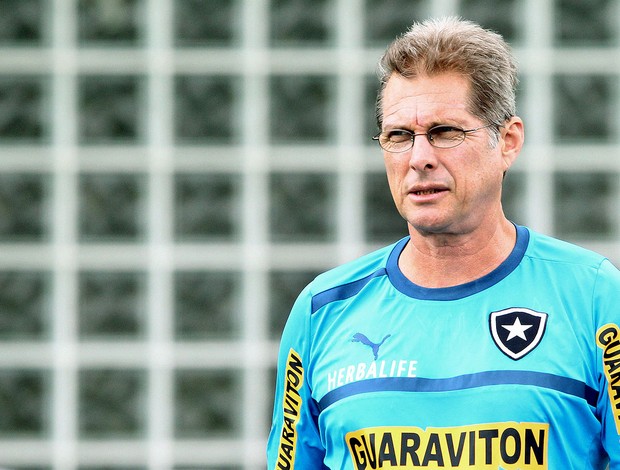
(552, 250)
(353, 270)
(347, 279)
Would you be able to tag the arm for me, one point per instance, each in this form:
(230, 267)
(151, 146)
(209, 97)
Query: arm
(294, 440)
(606, 306)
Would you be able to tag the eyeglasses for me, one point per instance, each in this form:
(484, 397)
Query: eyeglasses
(443, 137)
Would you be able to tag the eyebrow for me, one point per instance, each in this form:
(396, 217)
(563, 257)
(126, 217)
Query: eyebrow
(431, 126)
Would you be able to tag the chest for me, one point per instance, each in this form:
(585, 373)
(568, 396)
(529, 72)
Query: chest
(389, 337)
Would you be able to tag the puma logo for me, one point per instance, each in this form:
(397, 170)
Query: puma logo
(361, 338)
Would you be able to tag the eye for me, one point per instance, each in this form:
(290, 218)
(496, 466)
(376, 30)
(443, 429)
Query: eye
(398, 135)
(445, 133)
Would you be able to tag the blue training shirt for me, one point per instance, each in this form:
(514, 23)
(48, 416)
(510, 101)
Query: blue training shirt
(519, 369)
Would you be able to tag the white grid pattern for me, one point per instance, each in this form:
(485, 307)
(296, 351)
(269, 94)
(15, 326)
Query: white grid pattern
(350, 158)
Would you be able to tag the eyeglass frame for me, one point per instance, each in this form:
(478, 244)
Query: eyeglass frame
(429, 136)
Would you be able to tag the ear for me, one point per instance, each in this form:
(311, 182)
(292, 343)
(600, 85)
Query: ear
(511, 140)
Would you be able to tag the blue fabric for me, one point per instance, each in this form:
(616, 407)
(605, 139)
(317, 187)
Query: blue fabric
(518, 369)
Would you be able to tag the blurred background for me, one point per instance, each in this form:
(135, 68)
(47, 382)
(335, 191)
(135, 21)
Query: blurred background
(173, 172)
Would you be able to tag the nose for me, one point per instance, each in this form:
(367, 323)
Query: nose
(422, 155)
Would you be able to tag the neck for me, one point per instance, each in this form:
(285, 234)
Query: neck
(446, 260)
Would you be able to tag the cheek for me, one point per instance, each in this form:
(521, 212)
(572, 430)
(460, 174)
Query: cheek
(484, 169)
(395, 172)
(481, 183)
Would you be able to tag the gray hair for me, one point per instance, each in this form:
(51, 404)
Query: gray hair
(454, 45)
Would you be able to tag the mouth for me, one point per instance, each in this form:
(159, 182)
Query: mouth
(426, 192)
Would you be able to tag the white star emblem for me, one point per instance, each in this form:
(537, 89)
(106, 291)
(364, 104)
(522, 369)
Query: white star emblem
(516, 329)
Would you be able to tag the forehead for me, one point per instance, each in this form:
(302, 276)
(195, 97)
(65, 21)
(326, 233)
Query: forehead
(424, 100)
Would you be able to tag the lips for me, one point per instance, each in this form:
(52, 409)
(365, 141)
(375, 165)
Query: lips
(427, 190)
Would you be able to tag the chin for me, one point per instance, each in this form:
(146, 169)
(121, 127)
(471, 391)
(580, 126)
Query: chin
(428, 228)
(427, 218)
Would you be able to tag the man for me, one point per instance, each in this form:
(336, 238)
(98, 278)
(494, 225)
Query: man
(472, 343)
